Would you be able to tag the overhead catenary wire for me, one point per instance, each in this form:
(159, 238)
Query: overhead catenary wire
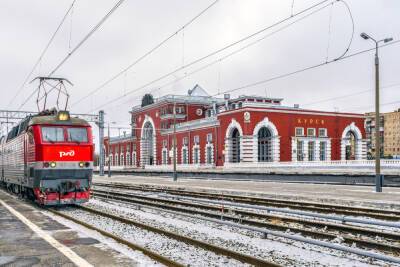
(348, 95)
(247, 46)
(138, 60)
(87, 36)
(43, 53)
(303, 69)
(216, 52)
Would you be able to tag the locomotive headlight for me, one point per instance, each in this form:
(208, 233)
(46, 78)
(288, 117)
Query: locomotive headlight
(46, 164)
(63, 116)
(53, 164)
(81, 164)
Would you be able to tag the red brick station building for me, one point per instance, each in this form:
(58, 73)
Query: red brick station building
(221, 131)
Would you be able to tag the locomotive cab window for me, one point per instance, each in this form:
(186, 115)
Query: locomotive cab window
(77, 135)
(53, 134)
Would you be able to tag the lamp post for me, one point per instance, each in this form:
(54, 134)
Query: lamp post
(378, 177)
(175, 175)
(109, 152)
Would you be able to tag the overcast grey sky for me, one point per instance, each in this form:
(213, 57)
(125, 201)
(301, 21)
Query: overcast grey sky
(137, 26)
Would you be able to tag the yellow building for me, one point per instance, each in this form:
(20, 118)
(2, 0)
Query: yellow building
(392, 133)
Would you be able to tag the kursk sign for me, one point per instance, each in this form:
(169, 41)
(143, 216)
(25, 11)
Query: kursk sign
(311, 121)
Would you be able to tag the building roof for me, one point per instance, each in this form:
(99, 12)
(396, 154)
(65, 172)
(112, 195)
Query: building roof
(197, 95)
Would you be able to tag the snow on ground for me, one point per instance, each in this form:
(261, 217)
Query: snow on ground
(279, 250)
(261, 210)
(83, 232)
(170, 248)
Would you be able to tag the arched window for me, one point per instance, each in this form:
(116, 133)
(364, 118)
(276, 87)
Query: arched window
(350, 146)
(122, 160)
(264, 145)
(134, 159)
(185, 156)
(235, 141)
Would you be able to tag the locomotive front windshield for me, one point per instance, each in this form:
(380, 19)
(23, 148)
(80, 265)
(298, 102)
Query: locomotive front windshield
(53, 134)
(77, 135)
(60, 134)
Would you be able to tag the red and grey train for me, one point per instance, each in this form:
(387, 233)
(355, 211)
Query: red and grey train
(48, 158)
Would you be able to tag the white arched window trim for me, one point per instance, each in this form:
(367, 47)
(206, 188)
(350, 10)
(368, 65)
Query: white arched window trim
(231, 127)
(360, 152)
(275, 139)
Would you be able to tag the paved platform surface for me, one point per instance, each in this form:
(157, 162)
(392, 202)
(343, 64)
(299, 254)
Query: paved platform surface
(21, 246)
(341, 194)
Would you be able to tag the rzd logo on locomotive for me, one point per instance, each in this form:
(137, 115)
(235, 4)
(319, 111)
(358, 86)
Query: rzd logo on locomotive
(70, 153)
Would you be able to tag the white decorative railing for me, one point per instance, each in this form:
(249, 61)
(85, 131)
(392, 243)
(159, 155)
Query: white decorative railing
(336, 164)
(316, 164)
(169, 167)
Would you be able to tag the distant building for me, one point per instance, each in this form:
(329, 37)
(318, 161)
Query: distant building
(389, 133)
(392, 134)
(370, 134)
(219, 131)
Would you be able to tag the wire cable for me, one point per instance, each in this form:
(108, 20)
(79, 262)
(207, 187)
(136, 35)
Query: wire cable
(234, 52)
(138, 60)
(214, 53)
(43, 52)
(348, 95)
(94, 29)
(304, 69)
(352, 31)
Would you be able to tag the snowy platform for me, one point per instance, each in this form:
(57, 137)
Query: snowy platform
(37, 240)
(327, 193)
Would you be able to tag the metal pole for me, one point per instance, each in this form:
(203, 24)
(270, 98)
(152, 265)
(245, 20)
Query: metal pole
(108, 148)
(378, 180)
(101, 142)
(174, 144)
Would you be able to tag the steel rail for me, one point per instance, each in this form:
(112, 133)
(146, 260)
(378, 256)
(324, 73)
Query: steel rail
(272, 217)
(305, 205)
(271, 225)
(159, 258)
(210, 247)
(266, 232)
(295, 212)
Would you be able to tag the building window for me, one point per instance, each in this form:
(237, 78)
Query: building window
(300, 156)
(196, 155)
(185, 156)
(116, 162)
(264, 145)
(322, 132)
(310, 131)
(311, 151)
(235, 146)
(209, 137)
(134, 158)
(322, 151)
(128, 159)
(209, 154)
(299, 131)
(122, 161)
(164, 156)
(111, 160)
(196, 139)
(185, 141)
(164, 143)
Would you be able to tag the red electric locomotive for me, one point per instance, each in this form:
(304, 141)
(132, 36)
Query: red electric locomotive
(48, 157)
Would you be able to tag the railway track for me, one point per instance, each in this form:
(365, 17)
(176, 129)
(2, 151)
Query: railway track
(247, 259)
(360, 236)
(390, 215)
